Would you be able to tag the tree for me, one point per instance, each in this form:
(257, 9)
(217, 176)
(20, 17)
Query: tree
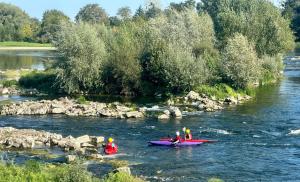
(14, 23)
(291, 11)
(92, 13)
(153, 9)
(140, 13)
(176, 62)
(188, 4)
(122, 72)
(241, 65)
(51, 24)
(124, 13)
(259, 20)
(83, 52)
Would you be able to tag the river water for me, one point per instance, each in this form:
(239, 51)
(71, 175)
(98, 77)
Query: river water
(254, 139)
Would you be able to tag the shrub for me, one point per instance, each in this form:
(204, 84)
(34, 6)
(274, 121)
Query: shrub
(241, 67)
(40, 80)
(83, 52)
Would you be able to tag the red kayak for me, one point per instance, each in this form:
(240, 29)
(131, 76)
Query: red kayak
(111, 150)
(193, 140)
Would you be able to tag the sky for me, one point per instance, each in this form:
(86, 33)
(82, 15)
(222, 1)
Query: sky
(36, 8)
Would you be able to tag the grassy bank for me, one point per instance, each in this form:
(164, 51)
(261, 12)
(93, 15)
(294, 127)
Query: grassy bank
(23, 44)
(36, 172)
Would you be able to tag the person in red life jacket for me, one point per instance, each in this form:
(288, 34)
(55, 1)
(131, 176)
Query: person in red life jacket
(177, 138)
(188, 135)
(110, 147)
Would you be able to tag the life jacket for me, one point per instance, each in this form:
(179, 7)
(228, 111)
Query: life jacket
(177, 138)
(109, 146)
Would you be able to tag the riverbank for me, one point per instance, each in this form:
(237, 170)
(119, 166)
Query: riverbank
(25, 46)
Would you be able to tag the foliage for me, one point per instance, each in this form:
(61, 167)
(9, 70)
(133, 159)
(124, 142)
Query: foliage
(81, 100)
(51, 24)
(124, 13)
(41, 80)
(9, 83)
(175, 62)
(83, 53)
(122, 73)
(215, 180)
(240, 64)
(92, 13)
(291, 11)
(36, 172)
(122, 177)
(188, 4)
(14, 23)
(259, 20)
(220, 91)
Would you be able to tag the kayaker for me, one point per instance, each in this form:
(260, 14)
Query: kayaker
(110, 147)
(188, 135)
(177, 138)
(184, 129)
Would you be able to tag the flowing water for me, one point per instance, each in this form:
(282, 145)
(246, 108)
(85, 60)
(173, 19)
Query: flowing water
(257, 141)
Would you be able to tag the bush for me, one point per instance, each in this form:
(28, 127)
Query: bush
(122, 177)
(36, 172)
(83, 52)
(9, 83)
(40, 80)
(241, 67)
(122, 71)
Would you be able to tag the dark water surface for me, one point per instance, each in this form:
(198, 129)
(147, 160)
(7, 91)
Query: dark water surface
(255, 143)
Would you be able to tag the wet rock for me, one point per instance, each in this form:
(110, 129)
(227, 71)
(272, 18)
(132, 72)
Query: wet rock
(83, 139)
(134, 114)
(165, 115)
(97, 140)
(96, 156)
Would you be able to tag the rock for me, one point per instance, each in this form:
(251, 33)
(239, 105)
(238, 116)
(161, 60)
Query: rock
(83, 139)
(163, 116)
(86, 145)
(5, 91)
(193, 96)
(134, 114)
(175, 112)
(96, 140)
(123, 169)
(123, 109)
(70, 158)
(57, 111)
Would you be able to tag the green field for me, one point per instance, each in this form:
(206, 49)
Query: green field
(23, 44)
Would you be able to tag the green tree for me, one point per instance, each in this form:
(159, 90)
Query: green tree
(84, 53)
(122, 72)
(188, 4)
(176, 62)
(14, 23)
(140, 13)
(240, 63)
(92, 13)
(51, 24)
(124, 13)
(153, 9)
(291, 11)
(259, 20)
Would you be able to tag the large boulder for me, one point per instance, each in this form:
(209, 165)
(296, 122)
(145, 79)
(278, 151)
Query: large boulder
(83, 139)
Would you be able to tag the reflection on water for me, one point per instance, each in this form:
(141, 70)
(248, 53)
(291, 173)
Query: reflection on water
(10, 60)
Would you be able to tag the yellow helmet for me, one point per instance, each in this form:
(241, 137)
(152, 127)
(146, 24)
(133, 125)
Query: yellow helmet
(188, 131)
(110, 140)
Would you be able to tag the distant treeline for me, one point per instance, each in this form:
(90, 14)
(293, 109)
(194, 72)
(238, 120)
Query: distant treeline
(172, 50)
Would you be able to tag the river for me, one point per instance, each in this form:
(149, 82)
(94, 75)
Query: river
(254, 140)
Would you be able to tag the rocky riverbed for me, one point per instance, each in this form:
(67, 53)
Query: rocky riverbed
(24, 139)
(173, 108)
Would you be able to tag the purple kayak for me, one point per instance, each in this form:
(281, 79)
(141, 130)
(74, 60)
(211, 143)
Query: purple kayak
(168, 143)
